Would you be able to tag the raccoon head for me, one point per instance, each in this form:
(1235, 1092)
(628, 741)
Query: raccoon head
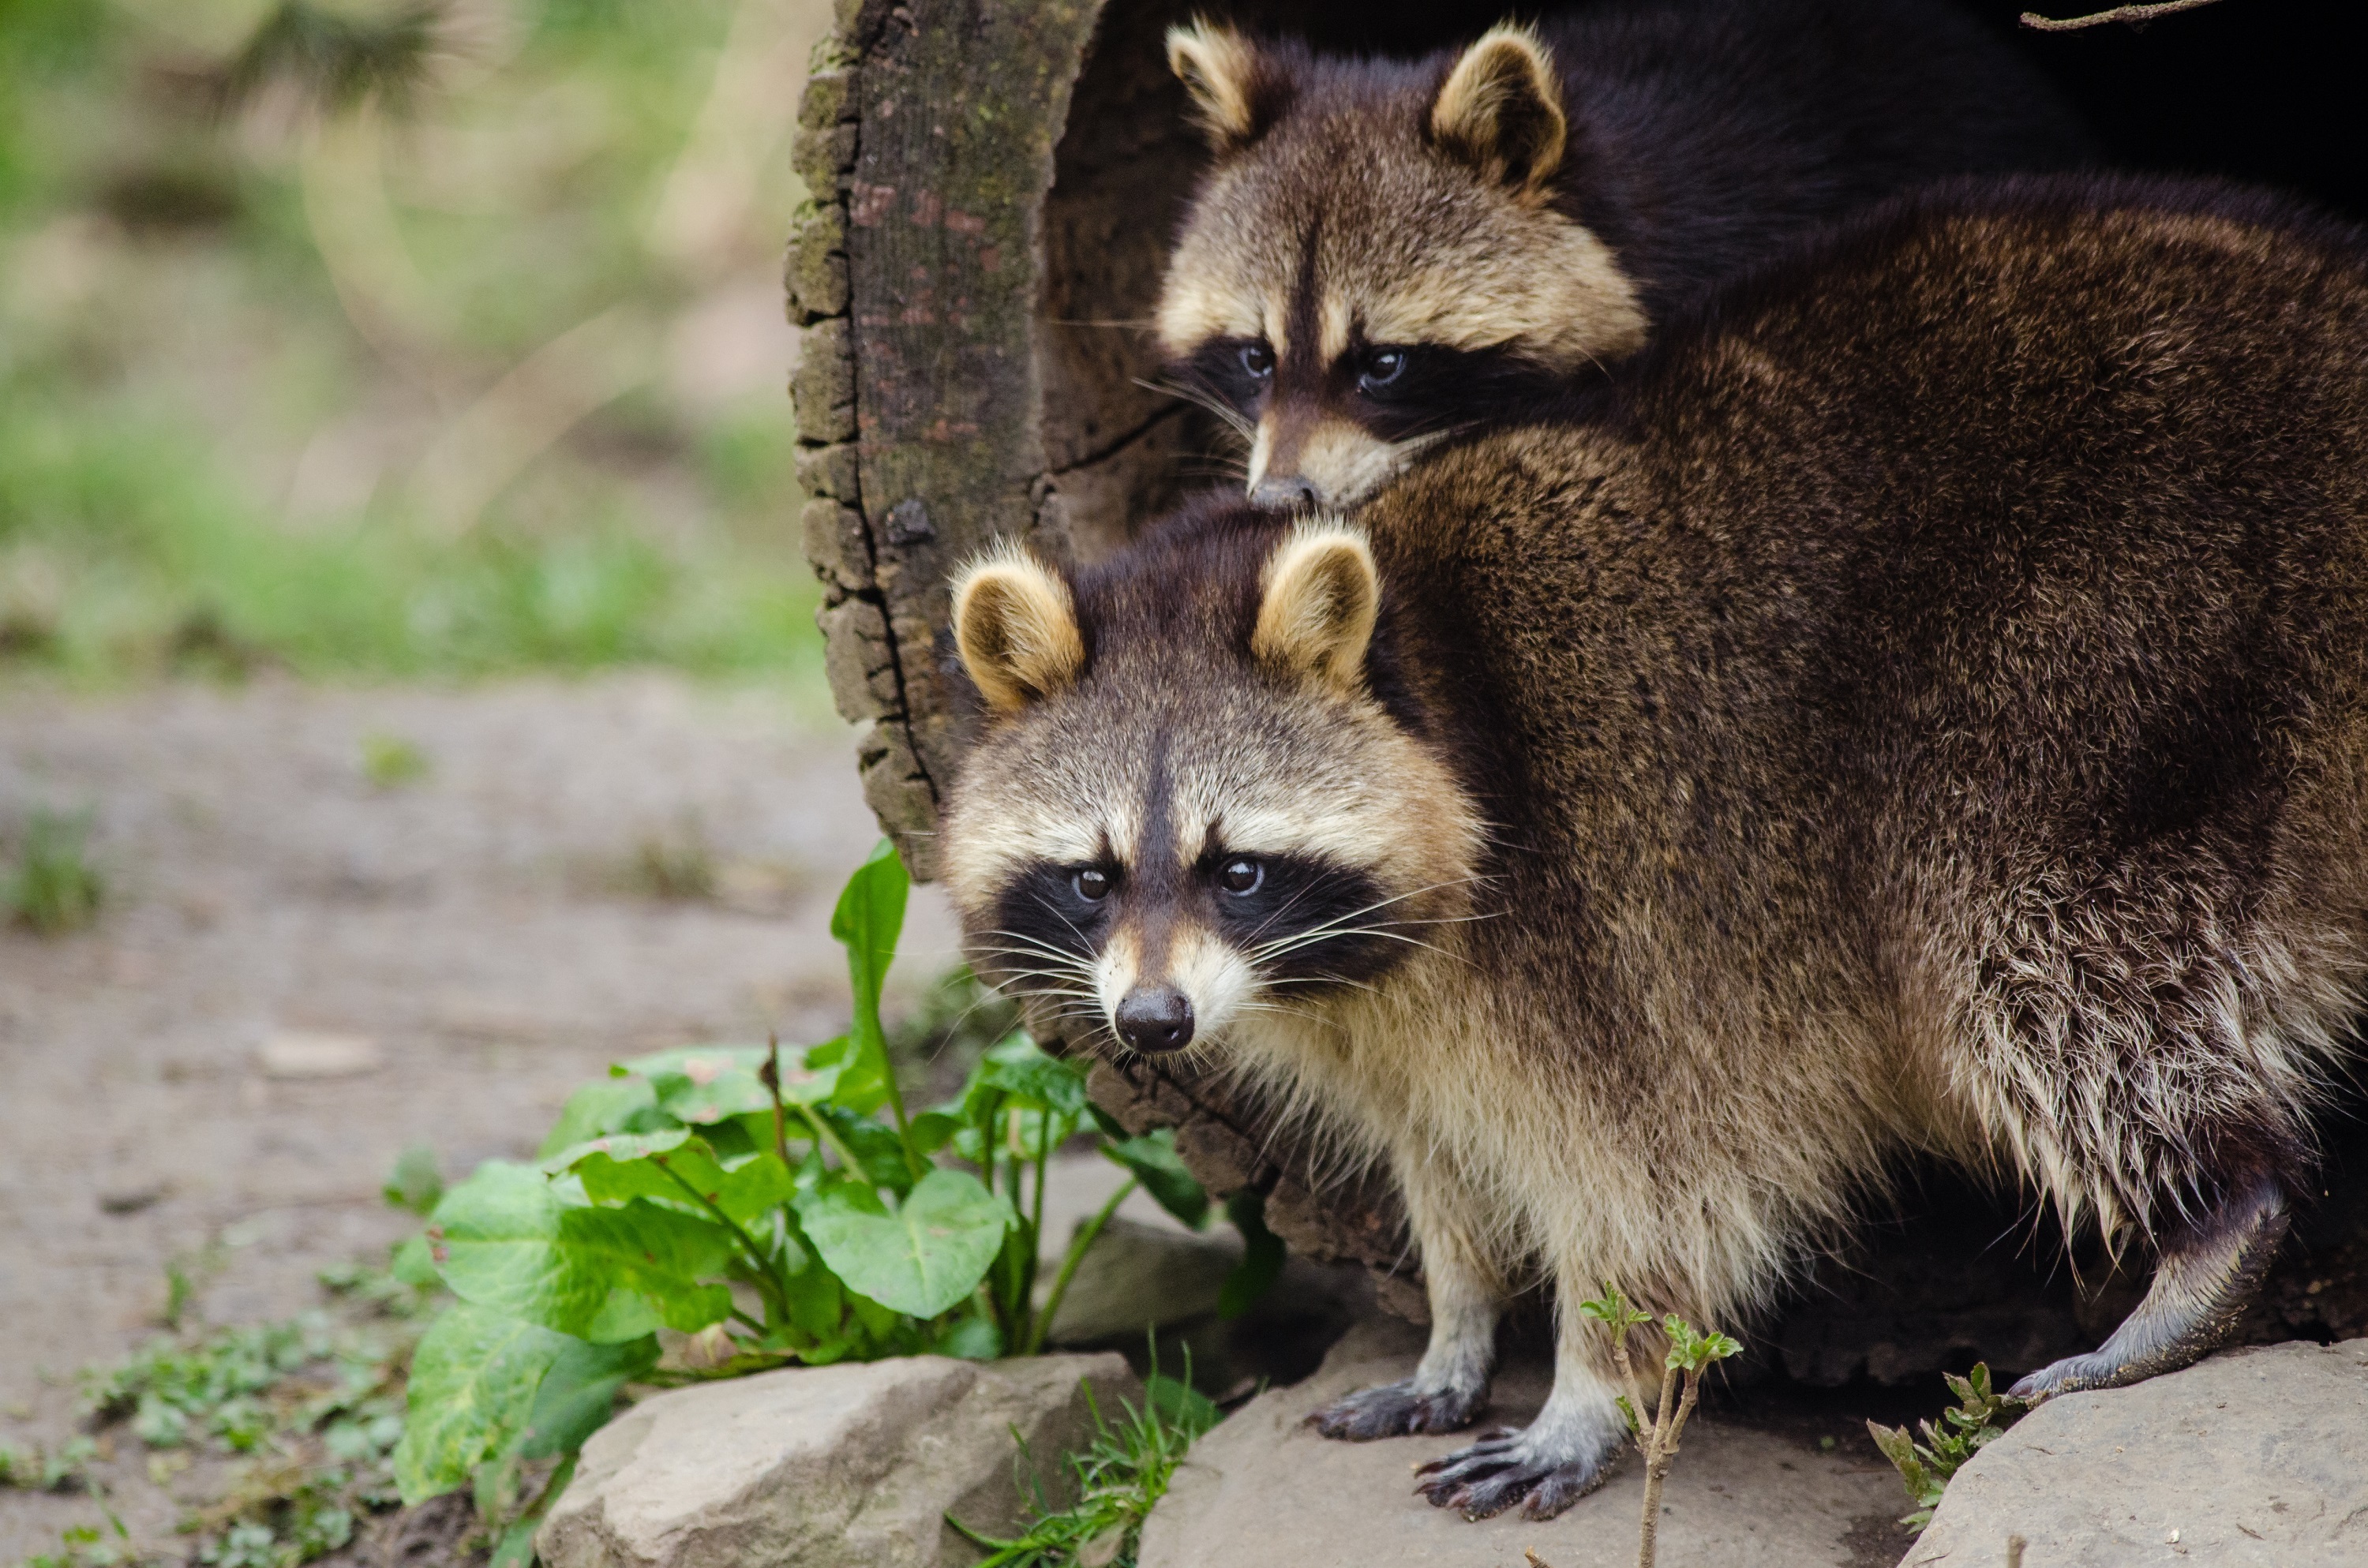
(1377, 255)
(1190, 814)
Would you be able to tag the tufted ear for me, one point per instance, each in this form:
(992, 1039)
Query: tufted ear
(1319, 596)
(1500, 111)
(1237, 94)
(1016, 628)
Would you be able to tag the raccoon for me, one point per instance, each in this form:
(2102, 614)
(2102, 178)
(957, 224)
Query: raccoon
(1923, 708)
(1385, 253)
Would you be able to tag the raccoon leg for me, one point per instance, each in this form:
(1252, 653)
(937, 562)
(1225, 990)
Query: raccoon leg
(1559, 1458)
(2208, 1273)
(1451, 1381)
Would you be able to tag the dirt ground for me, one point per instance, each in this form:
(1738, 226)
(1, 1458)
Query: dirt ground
(495, 931)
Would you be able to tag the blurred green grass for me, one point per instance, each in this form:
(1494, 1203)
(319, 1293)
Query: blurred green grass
(481, 377)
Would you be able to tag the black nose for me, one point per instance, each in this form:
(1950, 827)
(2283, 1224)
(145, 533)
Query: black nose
(1283, 495)
(1155, 1019)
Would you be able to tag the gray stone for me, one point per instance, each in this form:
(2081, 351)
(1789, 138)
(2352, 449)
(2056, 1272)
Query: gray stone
(825, 1467)
(2256, 1456)
(1136, 1276)
(1263, 1490)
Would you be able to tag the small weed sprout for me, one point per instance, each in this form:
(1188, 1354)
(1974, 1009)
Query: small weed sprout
(51, 885)
(678, 866)
(390, 762)
(1690, 1351)
(1979, 1418)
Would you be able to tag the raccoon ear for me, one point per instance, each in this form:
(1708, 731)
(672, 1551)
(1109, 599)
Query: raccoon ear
(1016, 628)
(1237, 94)
(1319, 596)
(1500, 111)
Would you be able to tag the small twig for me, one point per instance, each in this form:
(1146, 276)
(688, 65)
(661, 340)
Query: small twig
(2132, 14)
(2014, 1550)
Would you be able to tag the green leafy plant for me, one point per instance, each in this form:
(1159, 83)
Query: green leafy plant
(1979, 1417)
(1691, 1352)
(306, 1411)
(1122, 1472)
(390, 762)
(52, 886)
(774, 1206)
(31, 1468)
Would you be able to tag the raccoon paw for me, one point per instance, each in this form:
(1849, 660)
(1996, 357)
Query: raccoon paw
(1503, 1468)
(1394, 1410)
(2072, 1374)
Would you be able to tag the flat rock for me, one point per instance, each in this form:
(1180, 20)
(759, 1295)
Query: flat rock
(2255, 1456)
(1263, 1490)
(825, 1467)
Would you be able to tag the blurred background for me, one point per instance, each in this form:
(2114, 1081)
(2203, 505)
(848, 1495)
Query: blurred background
(410, 700)
(378, 338)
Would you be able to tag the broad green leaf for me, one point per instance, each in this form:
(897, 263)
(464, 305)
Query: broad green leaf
(857, 1079)
(1019, 1067)
(922, 1259)
(679, 1177)
(415, 1184)
(705, 1083)
(617, 1146)
(579, 1393)
(474, 1379)
(414, 1263)
(505, 1241)
(610, 1106)
(1262, 1255)
(875, 1146)
(1154, 1160)
(932, 1130)
(867, 922)
(969, 1340)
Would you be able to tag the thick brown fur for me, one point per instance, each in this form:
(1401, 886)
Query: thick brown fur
(1923, 708)
(1523, 211)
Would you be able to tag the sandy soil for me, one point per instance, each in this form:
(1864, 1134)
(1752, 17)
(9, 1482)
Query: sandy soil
(485, 928)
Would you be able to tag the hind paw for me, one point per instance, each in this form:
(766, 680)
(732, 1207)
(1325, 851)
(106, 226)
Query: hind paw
(1394, 1410)
(1546, 1476)
(2072, 1374)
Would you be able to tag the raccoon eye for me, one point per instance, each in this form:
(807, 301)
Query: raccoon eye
(1092, 886)
(1241, 877)
(1383, 366)
(1257, 360)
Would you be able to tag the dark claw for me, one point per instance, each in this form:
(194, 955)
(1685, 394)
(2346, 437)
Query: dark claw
(1394, 1410)
(1490, 1476)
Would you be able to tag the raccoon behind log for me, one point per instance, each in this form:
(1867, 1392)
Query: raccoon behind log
(1383, 252)
(1924, 708)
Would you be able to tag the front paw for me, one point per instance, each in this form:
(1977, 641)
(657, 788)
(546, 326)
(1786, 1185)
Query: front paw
(1394, 1410)
(1545, 1473)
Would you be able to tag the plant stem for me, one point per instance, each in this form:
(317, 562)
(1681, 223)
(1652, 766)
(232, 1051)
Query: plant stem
(780, 1114)
(761, 1261)
(822, 1130)
(1069, 1261)
(1036, 1224)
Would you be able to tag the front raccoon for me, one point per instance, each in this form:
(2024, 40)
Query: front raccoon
(1384, 254)
(1924, 708)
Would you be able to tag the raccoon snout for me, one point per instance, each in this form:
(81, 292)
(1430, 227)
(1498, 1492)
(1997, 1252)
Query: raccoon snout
(1153, 1018)
(1283, 495)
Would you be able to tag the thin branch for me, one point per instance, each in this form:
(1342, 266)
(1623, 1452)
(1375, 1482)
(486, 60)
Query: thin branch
(2133, 14)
